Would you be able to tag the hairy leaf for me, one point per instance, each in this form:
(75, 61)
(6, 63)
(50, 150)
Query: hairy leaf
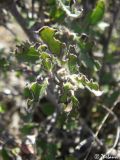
(47, 34)
(27, 53)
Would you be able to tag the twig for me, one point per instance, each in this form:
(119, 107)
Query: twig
(11, 7)
(10, 30)
(117, 134)
(108, 38)
(92, 133)
(110, 111)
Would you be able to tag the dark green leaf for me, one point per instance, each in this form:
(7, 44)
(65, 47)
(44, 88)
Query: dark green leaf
(36, 88)
(27, 93)
(27, 128)
(70, 158)
(72, 63)
(5, 155)
(97, 65)
(27, 53)
(57, 13)
(63, 98)
(93, 87)
(3, 64)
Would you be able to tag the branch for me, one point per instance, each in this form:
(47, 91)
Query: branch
(110, 111)
(11, 7)
(108, 38)
(110, 29)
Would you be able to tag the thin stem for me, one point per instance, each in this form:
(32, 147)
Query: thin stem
(110, 111)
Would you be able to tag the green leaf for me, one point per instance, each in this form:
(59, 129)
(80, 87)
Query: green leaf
(42, 48)
(47, 34)
(27, 128)
(97, 65)
(93, 87)
(76, 13)
(2, 108)
(63, 98)
(5, 154)
(98, 12)
(47, 64)
(27, 53)
(45, 55)
(57, 14)
(72, 63)
(3, 64)
(86, 59)
(51, 2)
(15, 151)
(27, 93)
(38, 90)
(67, 86)
(71, 124)
(74, 100)
(43, 88)
(46, 61)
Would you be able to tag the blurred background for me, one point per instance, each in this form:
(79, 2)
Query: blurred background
(19, 19)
